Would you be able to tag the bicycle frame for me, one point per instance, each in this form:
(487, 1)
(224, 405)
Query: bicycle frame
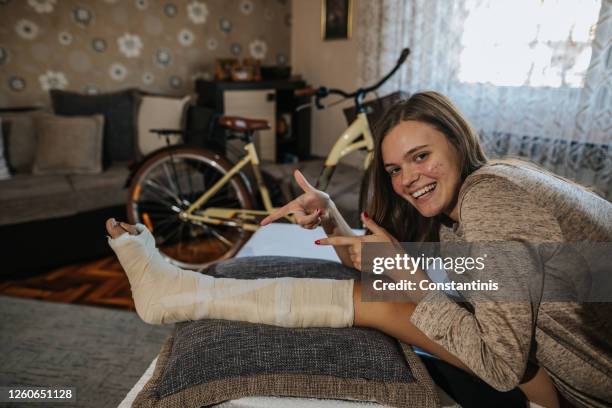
(357, 136)
(347, 143)
(244, 218)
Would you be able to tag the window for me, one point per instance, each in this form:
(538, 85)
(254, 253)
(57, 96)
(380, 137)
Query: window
(537, 43)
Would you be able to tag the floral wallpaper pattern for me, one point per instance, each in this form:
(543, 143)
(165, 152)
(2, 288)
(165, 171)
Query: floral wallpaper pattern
(160, 46)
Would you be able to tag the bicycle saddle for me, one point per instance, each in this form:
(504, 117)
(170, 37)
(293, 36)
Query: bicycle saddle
(243, 124)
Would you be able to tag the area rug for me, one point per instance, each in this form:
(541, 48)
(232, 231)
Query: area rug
(100, 352)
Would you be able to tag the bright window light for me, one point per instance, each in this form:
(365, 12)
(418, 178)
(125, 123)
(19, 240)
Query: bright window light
(528, 42)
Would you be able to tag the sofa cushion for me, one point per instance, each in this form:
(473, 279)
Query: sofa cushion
(119, 110)
(68, 145)
(20, 140)
(209, 361)
(101, 190)
(26, 197)
(159, 112)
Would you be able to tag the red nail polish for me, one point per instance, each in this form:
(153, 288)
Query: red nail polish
(365, 215)
(318, 242)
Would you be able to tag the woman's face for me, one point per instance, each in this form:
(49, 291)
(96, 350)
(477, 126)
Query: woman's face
(423, 168)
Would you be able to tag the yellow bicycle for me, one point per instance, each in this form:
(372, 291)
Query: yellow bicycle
(200, 208)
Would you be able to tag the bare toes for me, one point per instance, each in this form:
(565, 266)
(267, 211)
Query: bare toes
(113, 228)
(129, 228)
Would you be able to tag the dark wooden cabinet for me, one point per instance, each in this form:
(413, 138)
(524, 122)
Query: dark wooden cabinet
(288, 140)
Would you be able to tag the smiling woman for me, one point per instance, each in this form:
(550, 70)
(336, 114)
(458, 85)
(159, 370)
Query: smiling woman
(432, 182)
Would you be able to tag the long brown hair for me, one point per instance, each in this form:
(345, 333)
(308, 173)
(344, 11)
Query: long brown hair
(396, 215)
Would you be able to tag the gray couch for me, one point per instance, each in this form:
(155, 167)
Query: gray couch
(50, 220)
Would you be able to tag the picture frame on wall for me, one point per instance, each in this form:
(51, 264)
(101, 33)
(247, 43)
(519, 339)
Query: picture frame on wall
(336, 19)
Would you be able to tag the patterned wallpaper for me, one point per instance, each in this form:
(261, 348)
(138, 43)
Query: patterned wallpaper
(157, 45)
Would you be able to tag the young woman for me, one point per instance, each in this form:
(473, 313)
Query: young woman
(431, 182)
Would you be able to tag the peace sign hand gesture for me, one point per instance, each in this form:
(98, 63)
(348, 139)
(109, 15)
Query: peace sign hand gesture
(353, 244)
(309, 209)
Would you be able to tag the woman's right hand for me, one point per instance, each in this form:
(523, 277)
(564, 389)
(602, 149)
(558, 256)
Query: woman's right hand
(309, 209)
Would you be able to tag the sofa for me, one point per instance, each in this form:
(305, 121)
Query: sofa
(67, 173)
(50, 215)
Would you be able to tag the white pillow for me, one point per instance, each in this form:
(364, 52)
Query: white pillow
(159, 112)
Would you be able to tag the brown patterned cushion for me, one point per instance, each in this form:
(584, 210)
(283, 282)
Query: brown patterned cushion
(209, 361)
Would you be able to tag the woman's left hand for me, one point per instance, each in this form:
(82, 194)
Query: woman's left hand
(379, 234)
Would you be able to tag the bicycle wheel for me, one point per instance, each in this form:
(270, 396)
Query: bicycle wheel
(167, 184)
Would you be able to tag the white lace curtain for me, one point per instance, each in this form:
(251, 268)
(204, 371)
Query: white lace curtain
(552, 105)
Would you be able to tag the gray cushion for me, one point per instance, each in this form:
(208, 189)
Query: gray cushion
(68, 145)
(101, 190)
(26, 197)
(210, 361)
(279, 267)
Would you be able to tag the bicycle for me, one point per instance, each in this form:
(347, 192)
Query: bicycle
(200, 207)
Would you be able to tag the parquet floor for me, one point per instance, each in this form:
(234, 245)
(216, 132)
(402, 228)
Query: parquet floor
(97, 283)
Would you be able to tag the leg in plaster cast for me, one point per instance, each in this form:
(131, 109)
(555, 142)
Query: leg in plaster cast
(164, 293)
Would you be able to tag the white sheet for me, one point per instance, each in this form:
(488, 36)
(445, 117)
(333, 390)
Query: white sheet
(289, 240)
(285, 240)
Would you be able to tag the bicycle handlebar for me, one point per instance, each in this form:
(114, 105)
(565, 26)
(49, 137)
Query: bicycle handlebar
(359, 94)
(400, 61)
(305, 91)
(403, 56)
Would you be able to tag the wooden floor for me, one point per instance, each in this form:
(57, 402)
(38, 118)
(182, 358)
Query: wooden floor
(96, 283)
